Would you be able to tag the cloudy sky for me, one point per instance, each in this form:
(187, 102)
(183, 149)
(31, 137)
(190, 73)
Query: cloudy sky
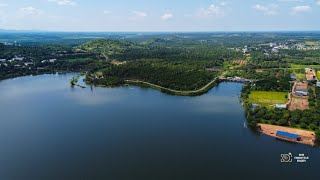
(160, 15)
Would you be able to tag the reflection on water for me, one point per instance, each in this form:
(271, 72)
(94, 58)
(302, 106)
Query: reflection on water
(84, 97)
(219, 104)
(16, 88)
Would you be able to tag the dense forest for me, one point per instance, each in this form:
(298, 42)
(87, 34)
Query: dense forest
(178, 68)
(177, 76)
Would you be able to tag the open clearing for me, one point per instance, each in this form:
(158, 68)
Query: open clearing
(298, 103)
(307, 137)
(267, 98)
(239, 62)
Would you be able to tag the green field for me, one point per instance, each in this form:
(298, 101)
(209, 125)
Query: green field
(299, 73)
(267, 98)
(318, 75)
(301, 76)
(299, 66)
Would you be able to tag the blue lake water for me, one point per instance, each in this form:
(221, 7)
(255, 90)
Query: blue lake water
(49, 130)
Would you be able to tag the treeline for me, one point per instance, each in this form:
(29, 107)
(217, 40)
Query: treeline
(8, 52)
(306, 119)
(310, 57)
(12, 71)
(126, 51)
(39, 53)
(301, 53)
(263, 61)
(201, 53)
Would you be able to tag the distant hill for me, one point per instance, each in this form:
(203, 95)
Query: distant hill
(105, 47)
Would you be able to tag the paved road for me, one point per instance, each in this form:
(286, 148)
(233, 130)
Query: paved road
(172, 90)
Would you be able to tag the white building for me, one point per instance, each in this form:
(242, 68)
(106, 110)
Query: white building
(52, 60)
(281, 106)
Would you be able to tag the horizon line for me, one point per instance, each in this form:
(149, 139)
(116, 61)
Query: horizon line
(217, 31)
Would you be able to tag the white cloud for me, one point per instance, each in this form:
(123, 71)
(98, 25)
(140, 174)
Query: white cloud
(300, 9)
(64, 2)
(30, 11)
(213, 10)
(139, 14)
(267, 10)
(107, 12)
(167, 16)
(318, 3)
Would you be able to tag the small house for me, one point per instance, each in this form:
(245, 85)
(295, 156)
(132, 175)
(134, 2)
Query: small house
(301, 93)
(254, 106)
(287, 136)
(52, 60)
(293, 78)
(308, 70)
(281, 106)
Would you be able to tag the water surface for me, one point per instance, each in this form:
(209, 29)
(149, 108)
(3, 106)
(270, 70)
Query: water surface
(51, 131)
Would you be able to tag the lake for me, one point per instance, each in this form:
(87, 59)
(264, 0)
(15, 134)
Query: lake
(49, 130)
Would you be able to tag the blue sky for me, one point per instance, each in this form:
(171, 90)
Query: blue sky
(160, 15)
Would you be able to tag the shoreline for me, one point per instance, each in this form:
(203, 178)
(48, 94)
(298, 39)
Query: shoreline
(198, 92)
(307, 137)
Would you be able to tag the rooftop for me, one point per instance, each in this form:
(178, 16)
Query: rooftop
(286, 134)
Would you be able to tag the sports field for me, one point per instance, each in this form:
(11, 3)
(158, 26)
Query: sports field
(267, 98)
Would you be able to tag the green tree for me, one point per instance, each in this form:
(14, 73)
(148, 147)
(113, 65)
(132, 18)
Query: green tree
(318, 136)
(303, 125)
(283, 122)
(313, 126)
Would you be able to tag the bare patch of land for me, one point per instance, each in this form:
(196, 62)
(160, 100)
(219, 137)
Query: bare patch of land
(239, 62)
(300, 86)
(298, 103)
(114, 62)
(307, 137)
